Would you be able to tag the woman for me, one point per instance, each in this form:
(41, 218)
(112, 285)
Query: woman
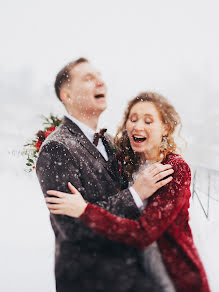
(145, 137)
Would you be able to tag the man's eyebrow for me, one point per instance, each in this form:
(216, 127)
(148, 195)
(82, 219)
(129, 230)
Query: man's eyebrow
(88, 74)
(91, 74)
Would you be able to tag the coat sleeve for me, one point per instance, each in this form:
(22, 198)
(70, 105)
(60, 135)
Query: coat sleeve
(157, 216)
(55, 168)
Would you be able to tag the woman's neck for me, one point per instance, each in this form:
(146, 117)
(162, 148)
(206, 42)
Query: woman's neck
(151, 158)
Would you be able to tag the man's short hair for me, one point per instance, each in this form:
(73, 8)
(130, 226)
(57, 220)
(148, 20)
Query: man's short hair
(64, 75)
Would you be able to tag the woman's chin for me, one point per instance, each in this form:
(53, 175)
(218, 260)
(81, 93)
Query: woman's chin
(138, 148)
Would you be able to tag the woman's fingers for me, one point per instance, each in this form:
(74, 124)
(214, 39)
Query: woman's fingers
(57, 212)
(158, 168)
(162, 183)
(56, 193)
(163, 174)
(53, 200)
(72, 189)
(54, 206)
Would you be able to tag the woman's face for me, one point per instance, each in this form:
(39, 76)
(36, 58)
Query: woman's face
(145, 129)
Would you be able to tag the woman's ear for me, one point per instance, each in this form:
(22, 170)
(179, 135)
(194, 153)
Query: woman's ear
(165, 130)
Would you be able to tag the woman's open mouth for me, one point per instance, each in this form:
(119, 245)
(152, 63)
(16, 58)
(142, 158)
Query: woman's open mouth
(139, 139)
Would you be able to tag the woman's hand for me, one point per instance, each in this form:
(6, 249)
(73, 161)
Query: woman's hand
(66, 204)
(152, 178)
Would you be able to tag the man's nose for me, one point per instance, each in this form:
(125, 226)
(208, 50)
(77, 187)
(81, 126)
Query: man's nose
(100, 82)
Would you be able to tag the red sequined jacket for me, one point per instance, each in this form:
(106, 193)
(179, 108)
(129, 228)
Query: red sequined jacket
(165, 220)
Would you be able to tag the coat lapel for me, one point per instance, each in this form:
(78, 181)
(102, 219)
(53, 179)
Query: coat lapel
(85, 143)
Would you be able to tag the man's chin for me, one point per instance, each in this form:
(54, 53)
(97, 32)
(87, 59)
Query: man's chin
(102, 107)
(97, 111)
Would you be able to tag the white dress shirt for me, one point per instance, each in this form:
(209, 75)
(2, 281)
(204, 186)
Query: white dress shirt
(89, 133)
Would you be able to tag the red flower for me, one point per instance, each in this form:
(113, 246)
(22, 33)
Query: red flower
(41, 136)
(38, 145)
(49, 131)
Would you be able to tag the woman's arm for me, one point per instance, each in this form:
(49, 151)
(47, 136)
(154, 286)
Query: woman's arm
(156, 218)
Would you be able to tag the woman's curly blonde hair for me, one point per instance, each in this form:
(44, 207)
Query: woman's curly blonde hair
(169, 117)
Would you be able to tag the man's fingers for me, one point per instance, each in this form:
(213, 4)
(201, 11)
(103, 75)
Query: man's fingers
(163, 174)
(163, 182)
(55, 193)
(53, 200)
(72, 188)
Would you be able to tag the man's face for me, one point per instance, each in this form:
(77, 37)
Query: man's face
(86, 91)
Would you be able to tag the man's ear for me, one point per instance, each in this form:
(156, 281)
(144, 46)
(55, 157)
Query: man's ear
(64, 94)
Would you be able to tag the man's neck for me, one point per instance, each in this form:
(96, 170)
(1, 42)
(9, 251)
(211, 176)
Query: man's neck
(91, 122)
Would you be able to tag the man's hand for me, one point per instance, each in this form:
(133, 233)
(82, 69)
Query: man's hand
(152, 179)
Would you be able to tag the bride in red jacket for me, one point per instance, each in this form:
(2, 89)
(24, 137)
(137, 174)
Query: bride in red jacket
(146, 137)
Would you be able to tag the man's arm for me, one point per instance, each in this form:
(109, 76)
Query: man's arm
(55, 168)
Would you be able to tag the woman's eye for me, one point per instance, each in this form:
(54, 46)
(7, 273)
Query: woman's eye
(133, 120)
(148, 122)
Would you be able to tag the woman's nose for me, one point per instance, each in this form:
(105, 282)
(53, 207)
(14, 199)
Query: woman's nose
(139, 126)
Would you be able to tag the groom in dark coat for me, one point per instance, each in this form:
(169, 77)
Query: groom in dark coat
(84, 261)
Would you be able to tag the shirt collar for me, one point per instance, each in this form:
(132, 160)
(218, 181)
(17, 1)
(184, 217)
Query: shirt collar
(88, 132)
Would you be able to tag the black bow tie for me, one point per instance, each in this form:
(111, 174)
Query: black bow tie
(99, 135)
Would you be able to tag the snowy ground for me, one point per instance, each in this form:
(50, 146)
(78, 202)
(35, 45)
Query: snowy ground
(204, 213)
(27, 242)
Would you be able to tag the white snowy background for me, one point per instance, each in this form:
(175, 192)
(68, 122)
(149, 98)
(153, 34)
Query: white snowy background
(166, 46)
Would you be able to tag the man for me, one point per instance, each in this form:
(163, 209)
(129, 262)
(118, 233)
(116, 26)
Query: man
(85, 261)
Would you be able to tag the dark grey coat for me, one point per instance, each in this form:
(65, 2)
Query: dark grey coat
(85, 261)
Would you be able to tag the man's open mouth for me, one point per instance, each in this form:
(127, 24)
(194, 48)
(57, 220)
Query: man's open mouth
(101, 95)
(139, 139)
